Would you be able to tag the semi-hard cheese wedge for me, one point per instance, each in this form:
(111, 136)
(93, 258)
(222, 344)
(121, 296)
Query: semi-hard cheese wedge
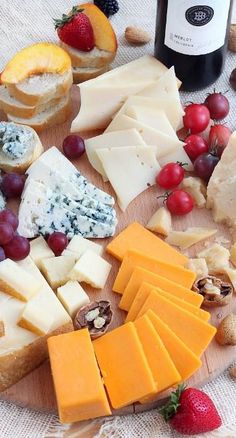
(72, 296)
(194, 332)
(16, 282)
(92, 269)
(146, 289)
(141, 275)
(163, 369)
(190, 236)
(78, 385)
(184, 359)
(35, 319)
(40, 250)
(136, 237)
(119, 139)
(155, 118)
(134, 258)
(79, 245)
(125, 165)
(56, 269)
(166, 86)
(124, 366)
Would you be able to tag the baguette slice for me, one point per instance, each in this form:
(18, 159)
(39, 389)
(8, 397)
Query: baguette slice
(84, 74)
(40, 89)
(96, 58)
(20, 165)
(51, 116)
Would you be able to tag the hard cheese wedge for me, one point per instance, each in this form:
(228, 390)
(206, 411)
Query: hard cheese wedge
(78, 385)
(124, 366)
(146, 289)
(136, 237)
(156, 119)
(194, 332)
(125, 165)
(184, 359)
(163, 369)
(187, 238)
(135, 258)
(141, 275)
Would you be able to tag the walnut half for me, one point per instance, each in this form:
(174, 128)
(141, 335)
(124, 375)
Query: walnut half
(215, 291)
(95, 316)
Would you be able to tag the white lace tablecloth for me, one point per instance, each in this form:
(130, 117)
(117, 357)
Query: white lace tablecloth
(21, 23)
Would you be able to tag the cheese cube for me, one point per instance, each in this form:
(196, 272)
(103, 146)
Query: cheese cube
(196, 188)
(2, 329)
(36, 319)
(72, 296)
(69, 253)
(160, 222)
(217, 258)
(198, 266)
(79, 245)
(189, 237)
(92, 269)
(40, 250)
(56, 270)
(233, 254)
(17, 282)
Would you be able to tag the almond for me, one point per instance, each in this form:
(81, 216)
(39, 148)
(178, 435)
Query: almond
(136, 35)
(232, 372)
(232, 38)
(226, 332)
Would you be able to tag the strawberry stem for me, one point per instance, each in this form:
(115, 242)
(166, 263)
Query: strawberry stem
(171, 407)
(67, 18)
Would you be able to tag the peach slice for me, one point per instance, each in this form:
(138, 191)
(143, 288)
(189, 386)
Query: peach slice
(105, 37)
(36, 59)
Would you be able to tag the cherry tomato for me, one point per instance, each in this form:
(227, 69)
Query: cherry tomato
(204, 165)
(179, 202)
(171, 175)
(195, 146)
(219, 137)
(218, 105)
(196, 118)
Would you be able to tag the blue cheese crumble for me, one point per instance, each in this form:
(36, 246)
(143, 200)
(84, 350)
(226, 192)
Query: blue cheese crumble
(15, 140)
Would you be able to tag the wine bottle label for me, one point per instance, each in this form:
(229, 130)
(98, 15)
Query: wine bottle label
(196, 29)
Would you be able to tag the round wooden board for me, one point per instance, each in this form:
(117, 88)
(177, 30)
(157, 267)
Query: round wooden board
(36, 390)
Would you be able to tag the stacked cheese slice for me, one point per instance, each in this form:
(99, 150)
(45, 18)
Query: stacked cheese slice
(57, 197)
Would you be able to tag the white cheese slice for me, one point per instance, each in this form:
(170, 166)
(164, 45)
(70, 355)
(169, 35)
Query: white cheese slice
(92, 269)
(79, 245)
(189, 237)
(217, 258)
(56, 270)
(198, 266)
(166, 86)
(196, 188)
(16, 282)
(73, 297)
(160, 222)
(156, 119)
(40, 250)
(164, 144)
(127, 137)
(130, 170)
(177, 155)
(35, 319)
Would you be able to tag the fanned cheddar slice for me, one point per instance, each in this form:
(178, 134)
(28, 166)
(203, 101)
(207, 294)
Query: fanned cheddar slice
(134, 258)
(184, 359)
(140, 275)
(136, 237)
(194, 332)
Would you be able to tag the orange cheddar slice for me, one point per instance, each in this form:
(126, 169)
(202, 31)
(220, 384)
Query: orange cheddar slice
(147, 288)
(124, 367)
(186, 362)
(138, 238)
(163, 369)
(79, 389)
(194, 332)
(139, 275)
(133, 258)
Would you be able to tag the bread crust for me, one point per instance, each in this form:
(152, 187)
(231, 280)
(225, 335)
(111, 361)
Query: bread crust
(84, 74)
(82, 59)
(27, 111)
(16, 365)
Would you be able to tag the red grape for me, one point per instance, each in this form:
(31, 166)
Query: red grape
(73, 146)
(218, 105)
(2, 254)
(204, 165)
(6, 233)
(57, 241)
(171, 175)
(195, 146)
(179, 202)
(17, 249)
(196, 118)
(9, 217)
(12, 185)
(219, 137)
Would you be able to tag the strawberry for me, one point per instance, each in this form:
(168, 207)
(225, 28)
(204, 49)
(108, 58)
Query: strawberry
(219, 137)
(190, 411)
(75, 29)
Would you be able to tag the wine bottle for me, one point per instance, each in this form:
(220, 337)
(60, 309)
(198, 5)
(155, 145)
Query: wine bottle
(193, 36)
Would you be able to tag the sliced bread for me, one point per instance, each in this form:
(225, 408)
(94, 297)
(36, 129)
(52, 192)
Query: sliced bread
(10, 162)
(96, 58)
(84, 74)
(39, 89)
(51, 116)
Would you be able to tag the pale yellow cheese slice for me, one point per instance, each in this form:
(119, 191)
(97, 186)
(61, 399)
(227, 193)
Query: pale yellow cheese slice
(155, 118)
(160, 222)
(189, 237)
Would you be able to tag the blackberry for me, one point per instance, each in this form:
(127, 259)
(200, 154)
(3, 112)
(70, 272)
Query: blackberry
(108, 7)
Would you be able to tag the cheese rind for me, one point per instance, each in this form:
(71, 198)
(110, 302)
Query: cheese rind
(79, 390)
(92, 269)
(189, 237)
(40, 250)
(56, 270)
(72, 296)
(160, 222)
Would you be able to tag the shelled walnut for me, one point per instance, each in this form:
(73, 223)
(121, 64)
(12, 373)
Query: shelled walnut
(215, 291)
(95, 316)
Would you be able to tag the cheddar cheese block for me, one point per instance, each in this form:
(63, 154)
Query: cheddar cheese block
(140, 274)
(136, 237)
(186, 362)
(124, 366)
(134, 258)
(194, 332)
(146, 289)
(78, 385)
(163, 369)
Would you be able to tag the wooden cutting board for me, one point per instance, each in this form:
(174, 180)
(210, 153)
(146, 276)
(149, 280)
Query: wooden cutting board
(36, 389)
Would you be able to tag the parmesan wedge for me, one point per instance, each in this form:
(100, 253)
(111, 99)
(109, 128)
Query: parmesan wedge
(189, 237)
(196, 188)
(160, 222)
